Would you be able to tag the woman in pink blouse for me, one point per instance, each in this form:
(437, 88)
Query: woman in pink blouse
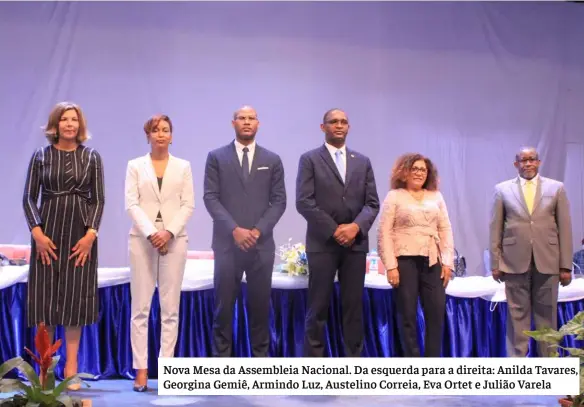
(416, 246)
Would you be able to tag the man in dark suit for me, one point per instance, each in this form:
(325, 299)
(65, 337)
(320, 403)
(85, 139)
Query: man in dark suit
(246, 196)
(336, 194)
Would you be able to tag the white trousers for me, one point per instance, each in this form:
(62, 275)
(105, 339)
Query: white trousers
(147, 269)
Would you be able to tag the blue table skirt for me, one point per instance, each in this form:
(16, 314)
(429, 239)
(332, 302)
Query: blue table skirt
(473, 328)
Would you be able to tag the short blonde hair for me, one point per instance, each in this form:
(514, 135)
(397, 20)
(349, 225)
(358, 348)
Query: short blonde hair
(51, 130)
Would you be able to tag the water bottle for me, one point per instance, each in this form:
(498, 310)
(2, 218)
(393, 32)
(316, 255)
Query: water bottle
(372, 262)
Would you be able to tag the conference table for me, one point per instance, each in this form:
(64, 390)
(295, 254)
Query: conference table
(474, 321)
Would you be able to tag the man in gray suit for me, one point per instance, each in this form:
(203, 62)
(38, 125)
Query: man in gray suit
(531, 249)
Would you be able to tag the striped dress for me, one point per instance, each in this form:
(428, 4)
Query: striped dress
(71, 188)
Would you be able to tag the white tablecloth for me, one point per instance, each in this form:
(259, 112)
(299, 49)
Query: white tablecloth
(199, 276)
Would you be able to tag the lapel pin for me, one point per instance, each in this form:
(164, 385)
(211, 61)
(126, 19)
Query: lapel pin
(352, 156)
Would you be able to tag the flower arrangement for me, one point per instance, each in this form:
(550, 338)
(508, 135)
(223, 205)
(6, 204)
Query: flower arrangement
(294, 259)
(42, 390)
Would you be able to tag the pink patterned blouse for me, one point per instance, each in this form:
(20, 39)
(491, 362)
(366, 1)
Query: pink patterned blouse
(408, 227)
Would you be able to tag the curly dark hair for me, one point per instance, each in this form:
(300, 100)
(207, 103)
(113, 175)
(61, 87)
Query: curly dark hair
(404, 164)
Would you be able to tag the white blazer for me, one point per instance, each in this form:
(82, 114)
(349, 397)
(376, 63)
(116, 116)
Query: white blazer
(175, 201)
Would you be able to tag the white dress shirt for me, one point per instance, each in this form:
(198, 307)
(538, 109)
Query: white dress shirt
(239, 148)
(333, 151)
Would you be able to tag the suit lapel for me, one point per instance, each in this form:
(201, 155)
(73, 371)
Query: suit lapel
(168, 174)
(538, 193)
(518, 192)
(254, 163)
(350, 166)
(326, 156)
(149, 171)
(232, 152)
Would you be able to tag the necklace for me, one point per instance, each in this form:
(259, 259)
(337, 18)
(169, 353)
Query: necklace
(417, 195)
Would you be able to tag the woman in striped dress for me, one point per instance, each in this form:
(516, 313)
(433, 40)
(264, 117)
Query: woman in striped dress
(62, 281)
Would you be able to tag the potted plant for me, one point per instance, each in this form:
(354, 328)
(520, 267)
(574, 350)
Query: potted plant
(42, 391)
(548, 335)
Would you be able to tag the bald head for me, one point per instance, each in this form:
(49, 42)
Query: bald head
(246, 123)
(245, 110)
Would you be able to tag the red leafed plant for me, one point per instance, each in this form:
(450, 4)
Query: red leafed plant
(46, 352)
(41, 391)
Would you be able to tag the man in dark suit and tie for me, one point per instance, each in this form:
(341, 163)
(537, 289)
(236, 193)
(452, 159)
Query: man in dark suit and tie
(244, 193)
(336, 194)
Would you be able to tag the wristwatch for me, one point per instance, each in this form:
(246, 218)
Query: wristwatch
(93, 231)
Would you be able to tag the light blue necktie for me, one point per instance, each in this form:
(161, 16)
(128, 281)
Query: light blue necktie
(340, 164)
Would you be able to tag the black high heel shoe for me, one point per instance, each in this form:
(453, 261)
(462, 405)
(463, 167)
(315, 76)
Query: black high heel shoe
(142, 388)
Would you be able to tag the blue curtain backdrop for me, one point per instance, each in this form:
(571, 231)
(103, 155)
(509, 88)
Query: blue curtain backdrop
(473, 328)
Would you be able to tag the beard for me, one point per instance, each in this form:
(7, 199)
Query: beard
(246, 136)
(334, 139)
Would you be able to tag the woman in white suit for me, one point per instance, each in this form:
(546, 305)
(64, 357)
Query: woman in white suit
(160, 200)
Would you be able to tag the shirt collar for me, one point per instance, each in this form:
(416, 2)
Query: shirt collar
(333, 149)
(524, 181)
(240, 147)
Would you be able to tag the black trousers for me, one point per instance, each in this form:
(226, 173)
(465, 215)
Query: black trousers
(351, 272)
(228, 272)
(417, 279)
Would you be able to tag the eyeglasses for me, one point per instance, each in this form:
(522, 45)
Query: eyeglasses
(528, 160)
(418, 169)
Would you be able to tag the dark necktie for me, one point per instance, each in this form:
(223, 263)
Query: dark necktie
(245, 164)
